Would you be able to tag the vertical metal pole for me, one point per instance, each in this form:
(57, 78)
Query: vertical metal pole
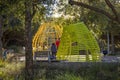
(49, 60)
(108, 42)
(112, 43)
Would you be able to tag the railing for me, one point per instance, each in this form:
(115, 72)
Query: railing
(42, 55)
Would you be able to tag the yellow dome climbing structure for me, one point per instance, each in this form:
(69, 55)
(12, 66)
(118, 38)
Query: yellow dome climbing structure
(46, 35)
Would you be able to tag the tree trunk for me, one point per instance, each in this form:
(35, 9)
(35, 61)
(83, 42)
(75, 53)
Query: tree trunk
(28, 39)
(1, 32)
(112, 43)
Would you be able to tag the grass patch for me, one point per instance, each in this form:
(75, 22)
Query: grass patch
(93, 71)
(62, 71)
(9, 71)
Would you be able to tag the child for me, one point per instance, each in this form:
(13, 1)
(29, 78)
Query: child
(57, 42)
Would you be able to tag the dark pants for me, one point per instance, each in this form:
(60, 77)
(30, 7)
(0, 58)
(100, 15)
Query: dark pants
(54, 55)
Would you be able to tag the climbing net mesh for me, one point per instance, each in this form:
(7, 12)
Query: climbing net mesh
(76, 41)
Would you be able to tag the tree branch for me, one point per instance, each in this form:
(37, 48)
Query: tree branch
(112, 8)
(94, 9)
(34, 10)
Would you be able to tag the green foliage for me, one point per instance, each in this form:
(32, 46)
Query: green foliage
(87, 71)
(102, 71)
(14, 22)
(2, 64)
(10, 70)
(63, 71)
(13, 19)
(15, 48)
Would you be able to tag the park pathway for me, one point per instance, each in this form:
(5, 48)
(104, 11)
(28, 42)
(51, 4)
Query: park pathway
(111, 59)
(103, 59)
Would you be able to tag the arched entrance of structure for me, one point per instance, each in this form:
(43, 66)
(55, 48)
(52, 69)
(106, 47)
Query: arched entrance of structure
(45, 36)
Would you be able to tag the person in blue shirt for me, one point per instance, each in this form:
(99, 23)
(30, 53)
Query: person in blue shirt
(53, 50)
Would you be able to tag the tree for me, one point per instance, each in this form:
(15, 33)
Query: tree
(114, 17)
(1, 36)
(110, 11)
(28, 40)
(3, 9)
(7, 8)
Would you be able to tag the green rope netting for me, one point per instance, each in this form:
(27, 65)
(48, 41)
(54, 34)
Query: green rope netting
(77, 41)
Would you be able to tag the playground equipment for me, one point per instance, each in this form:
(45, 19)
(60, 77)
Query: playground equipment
(76, 41)
(45, 36)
